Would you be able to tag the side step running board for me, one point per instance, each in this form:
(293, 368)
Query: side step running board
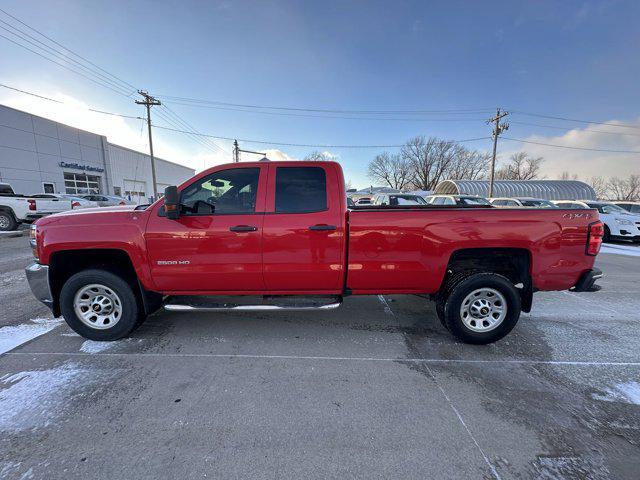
(217, 304)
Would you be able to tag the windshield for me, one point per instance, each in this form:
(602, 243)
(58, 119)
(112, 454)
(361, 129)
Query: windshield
(607, 208)
(538, 203)
(406, 200)
(474, 201)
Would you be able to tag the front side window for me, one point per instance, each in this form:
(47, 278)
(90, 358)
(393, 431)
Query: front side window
(231, 191)
(301, 189)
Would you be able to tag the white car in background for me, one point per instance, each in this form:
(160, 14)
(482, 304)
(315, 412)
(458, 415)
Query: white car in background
(78, 202)
(618, 223)
(457, 200)
(521, 202)
(398, 199)
(107, 200)
(633, 207)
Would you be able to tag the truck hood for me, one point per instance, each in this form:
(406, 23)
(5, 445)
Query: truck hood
(83, 213)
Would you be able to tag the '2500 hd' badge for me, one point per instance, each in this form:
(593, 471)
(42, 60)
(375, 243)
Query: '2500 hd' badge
(173, 262)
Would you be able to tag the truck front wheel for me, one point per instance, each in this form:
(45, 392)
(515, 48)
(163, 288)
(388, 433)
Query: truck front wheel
(482, 308)
(99, 305)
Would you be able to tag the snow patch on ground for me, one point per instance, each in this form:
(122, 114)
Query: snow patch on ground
(36, 398)
(628, 392)
(91, 346)
(13, 336)
(630, 250)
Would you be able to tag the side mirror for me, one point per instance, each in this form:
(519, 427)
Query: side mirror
(172, 202)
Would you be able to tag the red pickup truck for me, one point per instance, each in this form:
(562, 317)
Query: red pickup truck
(279, 235)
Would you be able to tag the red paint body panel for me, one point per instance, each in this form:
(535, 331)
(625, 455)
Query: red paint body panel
(377, 250)
(402, 251)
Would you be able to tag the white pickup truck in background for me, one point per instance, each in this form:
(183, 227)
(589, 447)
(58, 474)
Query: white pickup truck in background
(16, 209)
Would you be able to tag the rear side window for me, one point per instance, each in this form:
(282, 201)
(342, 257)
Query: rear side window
(301, 189)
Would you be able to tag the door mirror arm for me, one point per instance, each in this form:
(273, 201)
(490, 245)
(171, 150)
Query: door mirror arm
(172, 202)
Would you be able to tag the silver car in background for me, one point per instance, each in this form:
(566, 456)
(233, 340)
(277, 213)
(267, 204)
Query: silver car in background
(107, 200)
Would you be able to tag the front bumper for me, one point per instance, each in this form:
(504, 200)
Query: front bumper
(587, 282)
(38, 278)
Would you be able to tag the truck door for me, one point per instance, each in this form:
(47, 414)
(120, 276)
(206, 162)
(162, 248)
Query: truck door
(303, 237)
(216, 243)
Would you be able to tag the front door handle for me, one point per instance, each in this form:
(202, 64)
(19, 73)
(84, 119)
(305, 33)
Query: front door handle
(243, 228)
(323, 227)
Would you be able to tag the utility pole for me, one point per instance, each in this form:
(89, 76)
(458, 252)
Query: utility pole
(497, 130)
(149, 101)
(236, 152)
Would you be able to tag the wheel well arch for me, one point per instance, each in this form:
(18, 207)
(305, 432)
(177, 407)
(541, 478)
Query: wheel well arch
(7, 209)
(65, 263)
(512, 263)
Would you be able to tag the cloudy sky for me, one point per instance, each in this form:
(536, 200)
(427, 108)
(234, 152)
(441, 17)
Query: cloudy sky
(454, 61)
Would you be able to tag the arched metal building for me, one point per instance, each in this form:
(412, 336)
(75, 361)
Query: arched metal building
(548, 189)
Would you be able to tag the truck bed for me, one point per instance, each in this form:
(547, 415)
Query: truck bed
(407, 249)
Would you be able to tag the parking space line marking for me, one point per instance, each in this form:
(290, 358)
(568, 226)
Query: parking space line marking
(347, 359)
(389, 311)
(455, 410)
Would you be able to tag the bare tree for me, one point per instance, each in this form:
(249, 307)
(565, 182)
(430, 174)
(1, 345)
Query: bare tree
(599, 184)
(317, 156)
(568, 176)
(624, 189)
(468, 164)
(347, 185)
(391, 170)
(429, 160)
(521, 166)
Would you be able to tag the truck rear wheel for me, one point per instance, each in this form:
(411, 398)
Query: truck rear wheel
(99, 305)
(482, 308)
(7, 221)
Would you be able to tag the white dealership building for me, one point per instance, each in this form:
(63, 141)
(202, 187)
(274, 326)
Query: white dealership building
(38, 155)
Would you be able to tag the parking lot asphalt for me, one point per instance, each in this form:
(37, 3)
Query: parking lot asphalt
(376, 389)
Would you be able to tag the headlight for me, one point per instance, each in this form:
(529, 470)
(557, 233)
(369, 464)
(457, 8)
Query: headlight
(622, 221)
(33, 241)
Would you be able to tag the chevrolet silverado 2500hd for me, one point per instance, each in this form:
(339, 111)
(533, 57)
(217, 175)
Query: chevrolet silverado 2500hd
(281, 233)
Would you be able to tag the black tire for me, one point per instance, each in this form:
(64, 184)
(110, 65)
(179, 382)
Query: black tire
(8, 222)
(448, 285)
(465, 287)
(129, 318)
(607, 235)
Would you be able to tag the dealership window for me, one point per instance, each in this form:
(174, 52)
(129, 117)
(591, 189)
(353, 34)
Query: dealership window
(81, 183)
(48, 187)
(117, 191)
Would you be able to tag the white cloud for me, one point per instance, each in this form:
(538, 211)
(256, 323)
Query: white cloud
(582, 162)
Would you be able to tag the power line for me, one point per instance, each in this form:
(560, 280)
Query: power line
(68, 49)
(64, 103)
(190, 127)
(30, 93)
(571, 148)
(64, 66)
(575, 120)
(320, 110)
(57, 54)
(288, 144)
(566, 128)
(285, 114)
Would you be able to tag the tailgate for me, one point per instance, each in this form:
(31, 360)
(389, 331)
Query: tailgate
(52, 205)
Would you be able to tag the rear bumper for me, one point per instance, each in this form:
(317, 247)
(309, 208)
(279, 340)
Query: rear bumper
(38, 278)
(587, 281)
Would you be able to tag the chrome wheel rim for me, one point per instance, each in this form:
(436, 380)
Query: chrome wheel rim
(483, 309)
(4, 222)
(97, 306)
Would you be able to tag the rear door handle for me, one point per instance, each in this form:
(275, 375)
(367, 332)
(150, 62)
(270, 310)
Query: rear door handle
(243, 228)
(323, 227)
